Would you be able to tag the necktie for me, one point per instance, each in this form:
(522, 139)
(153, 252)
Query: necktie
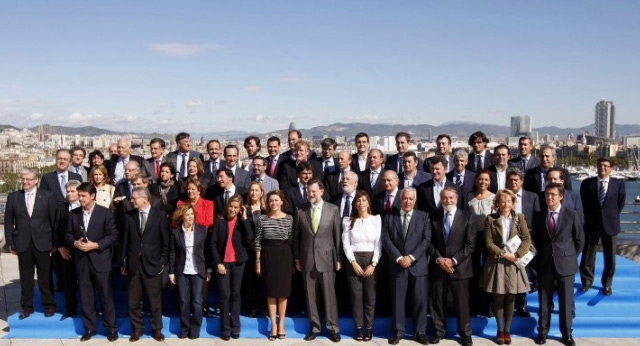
(437, 189)
(226, 197)
(63, 183)
(405, 225)
(315, 219)
(304, 192)
(447, 226)
(30, 203)
(387, 206)
(130, 188)
(543, 181)
(143, 221)
(524, 165)
(272, 170)
(400, 167)
(214, 167)
(552, 224)
(346, 212)
(183, 170)
(326, 165)
(602, 193)
(479, 164)
(459, 180)
(158, 168)
(374, 177)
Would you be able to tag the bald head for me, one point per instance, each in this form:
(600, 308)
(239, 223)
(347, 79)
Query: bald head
(131, 169)
(124, 147)
(344, 159)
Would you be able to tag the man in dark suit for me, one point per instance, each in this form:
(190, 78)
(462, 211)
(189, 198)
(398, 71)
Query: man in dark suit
(241, 178)
(56, 181)
(327, 161)
(429, 191)
(603, 199)
(370, 179)
(333, 180)
(113, 158)
(297, 195)
(122, 194)
(359, 160)
(259, 166)
(252, 146)
(344, 199)
(78, 154)
(66, 262)
(117, 168)
(406, 236)
(275, 160)
(387, 200)
(287, 175)
(146, 247)
(525, 160)
(91, 230)
(480, 157)
(443, 148)
(215, 162)
(452, 242)
(223, 190)
(183, 154)
(293, 137)
(317, 252)
(411, 176)
(498, 171)
(151, 166)
(30, 224)
(394, 162)
(571, 198)
(535, 179)
(559, 238)
(461, 176)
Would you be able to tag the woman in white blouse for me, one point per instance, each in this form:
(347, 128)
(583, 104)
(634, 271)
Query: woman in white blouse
(361, 242)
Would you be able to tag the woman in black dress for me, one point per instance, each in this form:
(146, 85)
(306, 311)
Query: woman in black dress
(166, 188)
(274, 259)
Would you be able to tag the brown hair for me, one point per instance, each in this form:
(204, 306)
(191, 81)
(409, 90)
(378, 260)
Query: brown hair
(280, 194)
(178, 215)
(104, 172)
(359, 194)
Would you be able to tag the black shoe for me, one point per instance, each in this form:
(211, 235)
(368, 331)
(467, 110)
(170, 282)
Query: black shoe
(359, 336)
(395, 340)
(157, 335)
(67, 314)
(585, 287)
(467, 341)
(235, 336)
(568, 341)
(112, 336)
(87, 336)
(534, 287)
(607, 291)
(48, 312)
(335, 337)
(435, 339)
(311, 336)
(523, 313)
(368, 334)
(541, 339)
(422, 339)
(225, 338)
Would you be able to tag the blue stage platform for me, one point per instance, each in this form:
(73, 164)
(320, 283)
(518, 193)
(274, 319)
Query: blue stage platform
(596, 316)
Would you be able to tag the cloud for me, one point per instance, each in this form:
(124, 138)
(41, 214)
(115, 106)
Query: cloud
(259, 117)
(37, 116)
(252, 88)
(194, 103)
(366, 117)
(291, 79)
(183, 49)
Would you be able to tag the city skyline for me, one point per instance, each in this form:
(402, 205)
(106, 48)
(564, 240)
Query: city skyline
(211, 66)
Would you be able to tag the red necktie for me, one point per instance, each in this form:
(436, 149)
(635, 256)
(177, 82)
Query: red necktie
(552, 224)
(158, 168)
(272, 171)
(387, 206)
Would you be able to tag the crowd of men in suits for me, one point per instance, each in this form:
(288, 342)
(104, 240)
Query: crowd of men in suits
(61, 219)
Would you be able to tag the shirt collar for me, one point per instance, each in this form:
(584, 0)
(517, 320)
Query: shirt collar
(377, 170)
(352, 195)
(232, 189)
(605, 180)
(318, 205)
(452, 212)
(145, 210)
(403, 213)
(393, 193)
(90, 210)
(555, 211)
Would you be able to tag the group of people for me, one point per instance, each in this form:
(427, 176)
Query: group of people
(480, 226)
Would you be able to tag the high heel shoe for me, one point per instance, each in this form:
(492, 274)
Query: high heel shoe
(359, 336)
(500, 338)
(368, 334)
(507, 338)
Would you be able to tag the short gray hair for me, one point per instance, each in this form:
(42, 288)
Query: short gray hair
(516, 171)
(29, 170)
(142, 191)
(461, 154)
(72, 183)
(409, 189)
(352, 173)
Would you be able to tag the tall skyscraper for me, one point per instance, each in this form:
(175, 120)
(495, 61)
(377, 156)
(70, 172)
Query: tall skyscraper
(292, 126)
(521, 126)
(605, 119)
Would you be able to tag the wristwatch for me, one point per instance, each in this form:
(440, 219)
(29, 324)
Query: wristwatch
(374, 264)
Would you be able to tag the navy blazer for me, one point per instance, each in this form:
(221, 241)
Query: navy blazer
(332, 183)
(468, 183)
(379, 201)
(605, 217)
(355, 166)
(329, 169)
(178, 251)
(420, 178)
(51, 182)
(295, 200)
(288, 176)
(337, 200)
(462, 240)
(534, 162)
(426, 201)
(487, 162)
(39, 229)
(242, 234)
(392, 164)
(533, 180)
(531, 205)
(102, 230)
(151, 249)
(113, 164)
(416, 243)
(561, 250)
(216, 194)
(572, 201)
(364, 182)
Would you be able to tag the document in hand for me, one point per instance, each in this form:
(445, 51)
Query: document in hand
(512, 246)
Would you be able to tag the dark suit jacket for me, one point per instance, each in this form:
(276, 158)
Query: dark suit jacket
(330, 169)
(212, 175)
(288, 176)
(40, 228)
(379, 200)
(427, 163)
(281, 160)
(392, 163)
(173, 196)
(420, 178)
(531, 205)
(416, 243)
(426, 201)
(533, 180)
(561, 250)
(605, 217)
(332, 184)
(113, 164)
(295, 199)
(102, 230)
(467, 184)
(150, 249)
(149, 166)
(355, 166)
(216, 194)
(63, 219)
(242, 234)
(337, 200)
(488, 161)
(462, 239)
(364, 182)
(320, 250)
(178, 251)
(51, 182)
(192, 153)
(572, 201)
(534, 162)
(493, 172)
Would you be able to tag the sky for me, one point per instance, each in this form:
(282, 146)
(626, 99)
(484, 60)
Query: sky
(213, 66)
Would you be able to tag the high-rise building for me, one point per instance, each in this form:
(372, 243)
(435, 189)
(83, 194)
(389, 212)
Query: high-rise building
(292, 126)
(521, 126)
(605, 119)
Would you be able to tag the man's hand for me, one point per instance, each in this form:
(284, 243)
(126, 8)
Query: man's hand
(446, 264)
(405, 262)
(172, 278)
(85, 246)
(298, 266)
(13, 250)
(209, 274)
(258, 271)
(64, 253)
(338, 266)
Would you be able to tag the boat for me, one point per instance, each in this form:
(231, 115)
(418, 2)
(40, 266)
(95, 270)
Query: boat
(637, 199)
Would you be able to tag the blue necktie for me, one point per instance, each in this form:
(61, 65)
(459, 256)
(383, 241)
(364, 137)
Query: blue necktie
(447, 226)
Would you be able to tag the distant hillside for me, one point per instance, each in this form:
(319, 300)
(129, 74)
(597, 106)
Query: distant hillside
(8, 127)
(90, 131)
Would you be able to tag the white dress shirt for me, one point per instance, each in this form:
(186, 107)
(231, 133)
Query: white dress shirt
(518, 206)
(506, 227)
(409, 216)
(501, 177)
(189, 264)
(437, 188)
(452, 216)
(86, 217)
(30, 199)
(362, 162)
(352, 195)
(363, 237)
(119, 171)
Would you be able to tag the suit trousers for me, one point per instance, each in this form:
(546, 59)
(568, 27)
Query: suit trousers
(587, 263)
(325, 281)
(251, 285)
(139, 283)
(190, 290)
(362, 291)
(70, 281)
(400, 282)
(88, 282)
(229, 286)
(546, 282)
(440, 287)
(480, 300)
(40, 261)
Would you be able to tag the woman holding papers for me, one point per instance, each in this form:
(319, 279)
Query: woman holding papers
(508, 240)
